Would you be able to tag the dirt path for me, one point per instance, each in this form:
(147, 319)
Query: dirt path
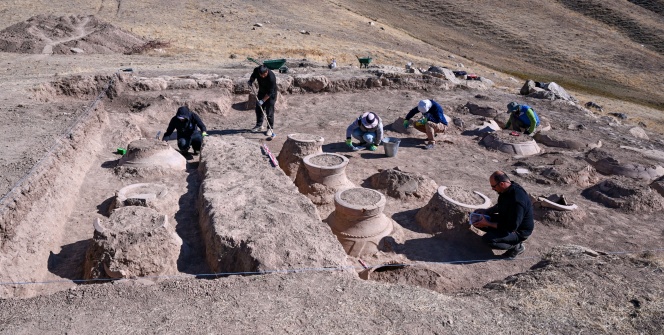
(78, 33)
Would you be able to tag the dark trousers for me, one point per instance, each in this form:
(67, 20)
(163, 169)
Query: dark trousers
(500, 240)
(195, 141)
(268, 107)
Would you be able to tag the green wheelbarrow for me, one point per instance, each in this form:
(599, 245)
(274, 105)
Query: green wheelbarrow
(272, 64)
(364, 61)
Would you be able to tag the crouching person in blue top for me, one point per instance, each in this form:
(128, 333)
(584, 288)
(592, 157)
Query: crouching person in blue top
(367, 129)
(522, 118)
(432, 122)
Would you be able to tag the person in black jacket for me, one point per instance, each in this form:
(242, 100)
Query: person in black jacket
(267, 97)
(510, 221)
(186, 122)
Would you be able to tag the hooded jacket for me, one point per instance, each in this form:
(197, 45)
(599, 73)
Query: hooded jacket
(185, 127)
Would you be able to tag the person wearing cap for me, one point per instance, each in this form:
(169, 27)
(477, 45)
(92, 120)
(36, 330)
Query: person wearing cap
(522, 118)
(368, 129)
(432, 122)
(267, 97)
(186, 122)
(510, 221)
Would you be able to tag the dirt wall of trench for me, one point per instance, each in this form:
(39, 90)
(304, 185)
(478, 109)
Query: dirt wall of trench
(32, 215)
(253, 218)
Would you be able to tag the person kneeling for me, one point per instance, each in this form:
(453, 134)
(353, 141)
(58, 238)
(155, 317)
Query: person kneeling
(368, 129)
(186, 122)
(510, 221)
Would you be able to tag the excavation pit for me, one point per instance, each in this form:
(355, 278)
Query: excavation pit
(152, 153)
(516, 145)
(142, 194)
(448, 209)
(555, 210)
(578, 142)
(324, 174)
(296, 147)
(624, 163)
(358, 221)
(134, 242)
(625, 195)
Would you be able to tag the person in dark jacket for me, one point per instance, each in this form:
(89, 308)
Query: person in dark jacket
(267, 97)
(186, 122)
(510, 221)
(432, 122)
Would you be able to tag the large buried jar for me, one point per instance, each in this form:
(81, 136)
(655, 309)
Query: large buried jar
(323, 176)
(449, 208)
(144, 194)
(134, 242)
(358, 221)
(152, 152)
(296, 147)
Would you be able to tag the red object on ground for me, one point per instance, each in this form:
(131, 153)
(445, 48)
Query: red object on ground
(514, 133)
(269, 153)
(363, 263)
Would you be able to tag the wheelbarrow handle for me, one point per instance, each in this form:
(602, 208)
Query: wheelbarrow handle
(253, 60)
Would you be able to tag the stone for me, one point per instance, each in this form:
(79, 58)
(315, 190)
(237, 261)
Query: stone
(315, 83)
(638, 132)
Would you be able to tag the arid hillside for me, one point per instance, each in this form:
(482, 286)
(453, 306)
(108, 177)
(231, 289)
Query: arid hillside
(613, 48)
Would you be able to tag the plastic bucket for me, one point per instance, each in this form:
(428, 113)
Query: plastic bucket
(391, 146)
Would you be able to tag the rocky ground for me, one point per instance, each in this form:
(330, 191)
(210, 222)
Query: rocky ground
(452, 284)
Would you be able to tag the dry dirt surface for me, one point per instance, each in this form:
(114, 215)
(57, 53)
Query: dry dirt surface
(596, 270)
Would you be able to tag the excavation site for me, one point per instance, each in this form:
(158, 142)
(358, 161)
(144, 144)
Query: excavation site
(107, 223)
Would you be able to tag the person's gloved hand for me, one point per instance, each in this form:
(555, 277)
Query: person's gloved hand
(260, 102)
(372, 148)
(405, 123)
(349, 143)
(421, 121)
(204, 133)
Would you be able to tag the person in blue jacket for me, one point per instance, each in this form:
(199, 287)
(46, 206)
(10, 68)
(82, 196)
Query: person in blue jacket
(432, 122)
(522, 118)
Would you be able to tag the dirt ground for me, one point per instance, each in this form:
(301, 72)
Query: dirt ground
(467, 289)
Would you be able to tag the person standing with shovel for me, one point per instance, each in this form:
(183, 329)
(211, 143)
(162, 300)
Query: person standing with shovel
(266, 98)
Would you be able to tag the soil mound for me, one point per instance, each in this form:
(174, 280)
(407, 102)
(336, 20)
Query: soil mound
(75, 34)
(403, 185)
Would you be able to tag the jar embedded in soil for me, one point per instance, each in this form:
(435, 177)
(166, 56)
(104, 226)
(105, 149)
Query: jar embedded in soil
(358, 221)
(449, 208)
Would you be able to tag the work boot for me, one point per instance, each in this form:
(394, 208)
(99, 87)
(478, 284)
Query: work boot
(257, 129)
(269, 132)
(429, 146)
(514, 251)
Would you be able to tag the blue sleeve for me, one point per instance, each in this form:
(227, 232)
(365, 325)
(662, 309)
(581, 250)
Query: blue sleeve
(438, 112)
(351, 127)
(412, 113)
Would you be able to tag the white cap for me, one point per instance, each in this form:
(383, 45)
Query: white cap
(424, 106)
